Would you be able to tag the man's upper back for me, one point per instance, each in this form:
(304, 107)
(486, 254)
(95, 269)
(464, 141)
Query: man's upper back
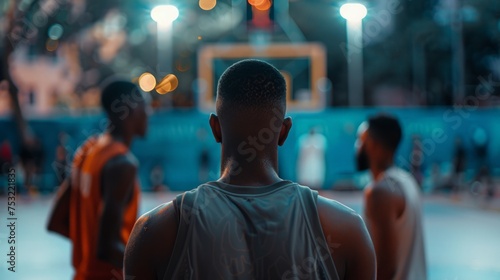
(281, 231)
(236, 232)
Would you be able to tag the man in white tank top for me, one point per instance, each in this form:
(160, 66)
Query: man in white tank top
(250, 223)
(392, 202)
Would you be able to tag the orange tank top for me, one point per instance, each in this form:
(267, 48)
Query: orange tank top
(86, 206)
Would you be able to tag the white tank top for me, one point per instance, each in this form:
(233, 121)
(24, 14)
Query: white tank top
(247, 233)
(411, 253)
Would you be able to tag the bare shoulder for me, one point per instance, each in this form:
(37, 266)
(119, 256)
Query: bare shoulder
(121, 163)
(385, 197)
(118, 177)
(348, 239)
(385, 189)
(152, 241)
(338, 219)
(160, 222)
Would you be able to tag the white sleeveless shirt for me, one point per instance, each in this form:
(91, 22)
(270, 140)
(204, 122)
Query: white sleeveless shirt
(411, 252)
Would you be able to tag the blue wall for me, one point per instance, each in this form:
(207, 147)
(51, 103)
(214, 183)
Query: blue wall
(174, 140)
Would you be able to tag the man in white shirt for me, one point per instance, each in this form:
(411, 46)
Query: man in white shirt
(392, 202)
(311, 165)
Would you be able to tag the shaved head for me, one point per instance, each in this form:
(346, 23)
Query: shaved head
(250, 123)
(126, 105)
(386, 130)
(253, 86)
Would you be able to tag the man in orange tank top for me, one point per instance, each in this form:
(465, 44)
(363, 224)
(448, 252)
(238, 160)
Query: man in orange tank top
(97, 206)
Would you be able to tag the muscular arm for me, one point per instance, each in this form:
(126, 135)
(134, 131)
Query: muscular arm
(151, 244)
(59, 217)
(118, 179)
(383, 207)
(348, 238)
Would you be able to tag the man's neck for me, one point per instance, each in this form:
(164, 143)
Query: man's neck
(120, 136)
(379, 169)
(258, 172)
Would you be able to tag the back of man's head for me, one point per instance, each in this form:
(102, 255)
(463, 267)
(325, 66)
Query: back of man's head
(385, 130)
(252, 86)
(119, 97)
(251, 104)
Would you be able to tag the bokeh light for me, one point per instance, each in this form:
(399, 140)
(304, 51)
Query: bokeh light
(353, 11)
(51, 45)
(207, 5)
(182, 65)
(168, 84)
(56, 31)
(147, 82)
(39, 19)
(257, 2)
(324, 85)
(164, 13)
(266, 5)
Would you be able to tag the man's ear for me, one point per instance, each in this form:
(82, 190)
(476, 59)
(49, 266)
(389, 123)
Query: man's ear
(215, 126)
(285, 129)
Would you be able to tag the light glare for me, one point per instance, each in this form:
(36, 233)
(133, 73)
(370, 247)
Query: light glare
(164, 13)
(207, 5)
(353, 11)
(168, 84)
(147, 82)
(56, 31)
(256, 2)
(266, 5)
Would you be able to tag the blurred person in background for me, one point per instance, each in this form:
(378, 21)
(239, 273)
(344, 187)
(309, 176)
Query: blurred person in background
(250, 224)
(311, 163)
(480, 142)
(458, 167)
(97, 206)
(417, 160)
(393, 209)
(6, 157)
(157, 178)
(61, 164)
(436, 177)
(31, 157)
(6, 162)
